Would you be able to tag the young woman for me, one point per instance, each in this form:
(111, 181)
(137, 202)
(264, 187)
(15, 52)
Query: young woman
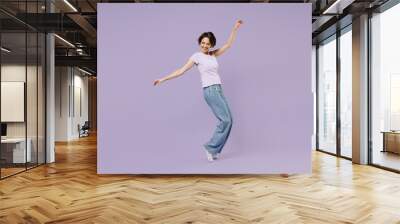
(206, 62)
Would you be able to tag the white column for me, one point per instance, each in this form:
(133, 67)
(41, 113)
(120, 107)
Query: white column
(360, 90)
(50, 100)
(50, 92)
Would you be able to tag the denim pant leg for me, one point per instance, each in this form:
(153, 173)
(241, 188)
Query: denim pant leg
(219, 106)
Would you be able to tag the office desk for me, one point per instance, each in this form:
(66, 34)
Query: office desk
(391, 141)
(13, 150)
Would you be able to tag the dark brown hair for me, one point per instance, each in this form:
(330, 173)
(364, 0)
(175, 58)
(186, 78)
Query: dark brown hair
(210, 36)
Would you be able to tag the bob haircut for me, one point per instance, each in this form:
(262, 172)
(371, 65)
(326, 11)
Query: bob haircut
(210, 36)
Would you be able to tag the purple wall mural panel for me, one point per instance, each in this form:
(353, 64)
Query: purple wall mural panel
(266, 78)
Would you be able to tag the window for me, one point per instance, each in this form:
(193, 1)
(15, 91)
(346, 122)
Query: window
(327, 95)
(385, 88)
(346, 92)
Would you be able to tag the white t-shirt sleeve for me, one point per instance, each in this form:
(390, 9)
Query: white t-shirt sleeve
(195, 58)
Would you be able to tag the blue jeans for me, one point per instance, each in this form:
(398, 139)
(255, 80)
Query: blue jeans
(216, 100)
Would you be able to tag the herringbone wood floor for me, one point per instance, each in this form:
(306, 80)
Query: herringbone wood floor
(70, 191)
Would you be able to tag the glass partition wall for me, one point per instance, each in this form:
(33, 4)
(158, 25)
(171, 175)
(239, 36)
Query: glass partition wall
(13, 89)
(385, 89)
(327, 95)
(22, 88)
(345, 61)
(334, 91)
(334, 104)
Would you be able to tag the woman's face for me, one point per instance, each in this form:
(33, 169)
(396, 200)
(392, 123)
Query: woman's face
(205, 45)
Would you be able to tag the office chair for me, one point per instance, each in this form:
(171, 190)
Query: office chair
(84, 130)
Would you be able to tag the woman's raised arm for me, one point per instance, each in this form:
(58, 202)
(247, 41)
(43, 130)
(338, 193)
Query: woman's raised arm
(230, 41)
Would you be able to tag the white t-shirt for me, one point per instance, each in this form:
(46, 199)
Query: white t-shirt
(208, 68)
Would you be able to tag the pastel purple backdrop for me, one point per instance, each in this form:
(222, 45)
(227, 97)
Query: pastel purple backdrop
(266, 78)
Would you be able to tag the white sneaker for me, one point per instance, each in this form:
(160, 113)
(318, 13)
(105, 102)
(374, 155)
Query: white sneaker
(210, 157)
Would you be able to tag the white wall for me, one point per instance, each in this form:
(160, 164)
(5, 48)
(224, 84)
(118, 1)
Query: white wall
(62, 80)
(15, 72)
(71, 93)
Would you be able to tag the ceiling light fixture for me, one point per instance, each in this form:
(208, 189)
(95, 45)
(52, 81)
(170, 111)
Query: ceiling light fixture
(5, 49)
(86, 72)
(65, 41)
(70, 5)
(331, 7)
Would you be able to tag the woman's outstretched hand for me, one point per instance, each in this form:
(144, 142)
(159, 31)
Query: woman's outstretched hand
(237, 24)
(157, 82)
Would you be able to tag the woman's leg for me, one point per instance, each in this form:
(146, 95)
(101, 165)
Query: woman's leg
(219, 106)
